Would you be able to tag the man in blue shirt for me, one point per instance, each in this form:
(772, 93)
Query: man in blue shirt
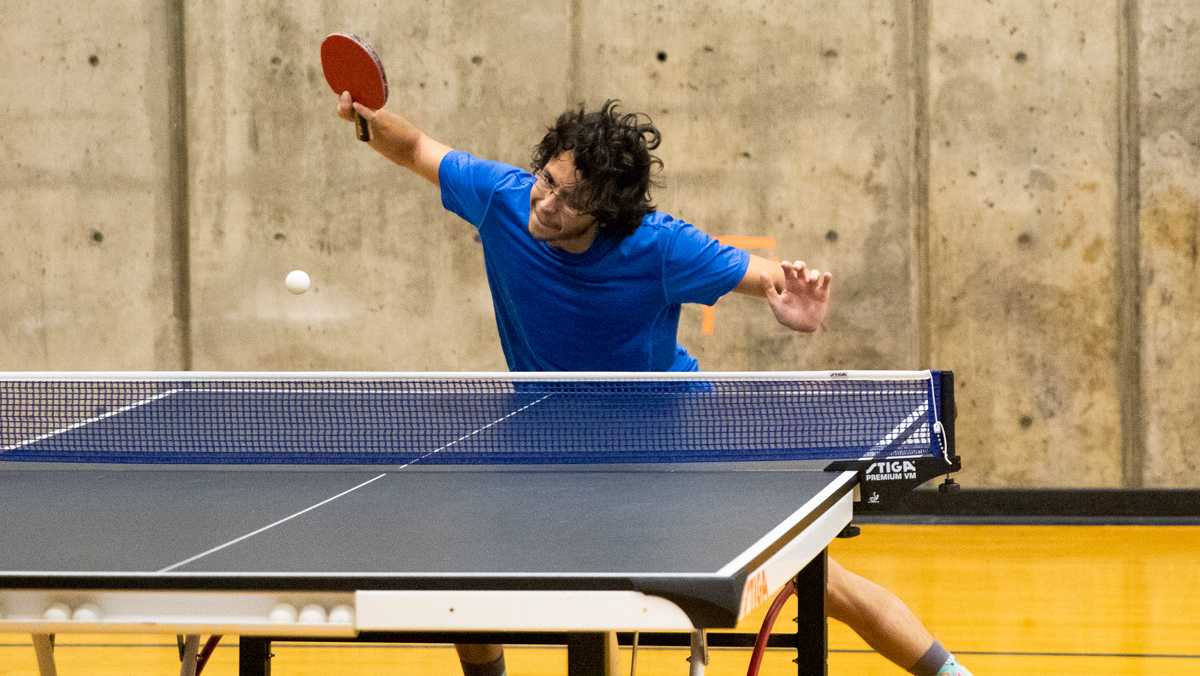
(586, 276)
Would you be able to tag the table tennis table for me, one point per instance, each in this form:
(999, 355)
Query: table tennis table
(511, 508)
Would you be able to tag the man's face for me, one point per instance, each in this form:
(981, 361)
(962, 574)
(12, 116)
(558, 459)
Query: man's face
(551, 219)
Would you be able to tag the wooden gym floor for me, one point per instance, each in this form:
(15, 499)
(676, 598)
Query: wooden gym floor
(1016, 599)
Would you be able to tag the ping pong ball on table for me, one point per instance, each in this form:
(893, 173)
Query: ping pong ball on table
(341, 614)
(283, 613)
(57, 612)
(312, 614)
(297, 281)
(88, 612)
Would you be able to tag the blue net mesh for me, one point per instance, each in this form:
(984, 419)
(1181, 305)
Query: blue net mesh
(398, 420)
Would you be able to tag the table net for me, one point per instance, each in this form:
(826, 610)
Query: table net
(466, 418)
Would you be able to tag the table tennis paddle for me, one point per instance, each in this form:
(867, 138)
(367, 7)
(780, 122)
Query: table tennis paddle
(351, 65)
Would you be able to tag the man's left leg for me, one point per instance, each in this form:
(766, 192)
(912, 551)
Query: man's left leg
(886, 624)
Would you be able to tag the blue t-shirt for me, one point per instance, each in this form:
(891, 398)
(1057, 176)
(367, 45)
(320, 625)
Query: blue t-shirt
(614, 307)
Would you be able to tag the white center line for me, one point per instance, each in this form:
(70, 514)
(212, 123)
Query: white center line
(346, 492)
(268, 527)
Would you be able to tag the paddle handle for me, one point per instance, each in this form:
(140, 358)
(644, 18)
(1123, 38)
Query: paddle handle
(364, 127)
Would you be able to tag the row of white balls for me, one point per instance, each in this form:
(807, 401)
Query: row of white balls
(282, 613)
(312, 613)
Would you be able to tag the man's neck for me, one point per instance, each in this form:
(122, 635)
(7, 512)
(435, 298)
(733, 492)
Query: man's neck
(578, 244)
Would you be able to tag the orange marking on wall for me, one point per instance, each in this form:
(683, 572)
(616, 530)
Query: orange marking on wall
(766, 245)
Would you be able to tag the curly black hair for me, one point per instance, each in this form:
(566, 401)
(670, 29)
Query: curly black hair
(612, 156)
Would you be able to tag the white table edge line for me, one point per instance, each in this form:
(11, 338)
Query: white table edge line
(99, 575)
(747, 555)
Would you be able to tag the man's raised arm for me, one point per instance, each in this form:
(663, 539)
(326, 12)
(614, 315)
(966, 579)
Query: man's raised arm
(397, 139)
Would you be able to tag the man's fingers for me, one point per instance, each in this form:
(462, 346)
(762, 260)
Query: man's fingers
(797, 275)
(345, 110)
(801, 269)
(793, 271)
(348, 107)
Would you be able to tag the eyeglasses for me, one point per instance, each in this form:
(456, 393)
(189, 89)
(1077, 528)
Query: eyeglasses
(567, 198)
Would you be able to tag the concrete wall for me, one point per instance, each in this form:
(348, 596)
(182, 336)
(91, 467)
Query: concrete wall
(1007, 189)
(88, 258)
(1167, 240)
(1023, 152)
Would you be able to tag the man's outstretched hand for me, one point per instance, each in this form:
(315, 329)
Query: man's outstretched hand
(802, 304)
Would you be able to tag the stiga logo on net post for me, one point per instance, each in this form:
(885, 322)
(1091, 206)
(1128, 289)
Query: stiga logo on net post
(891, 470)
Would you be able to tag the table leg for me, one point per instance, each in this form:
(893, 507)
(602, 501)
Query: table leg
(43, 647)
(254, 656)
(592, 654)
(812, 631)
(698, 659)
(187, 658)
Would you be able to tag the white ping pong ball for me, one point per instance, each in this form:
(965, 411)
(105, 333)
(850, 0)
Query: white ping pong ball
(341, 614)
(312, 614)
(283, 613)
(57, 612)
(88, 612)
(297, 281)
